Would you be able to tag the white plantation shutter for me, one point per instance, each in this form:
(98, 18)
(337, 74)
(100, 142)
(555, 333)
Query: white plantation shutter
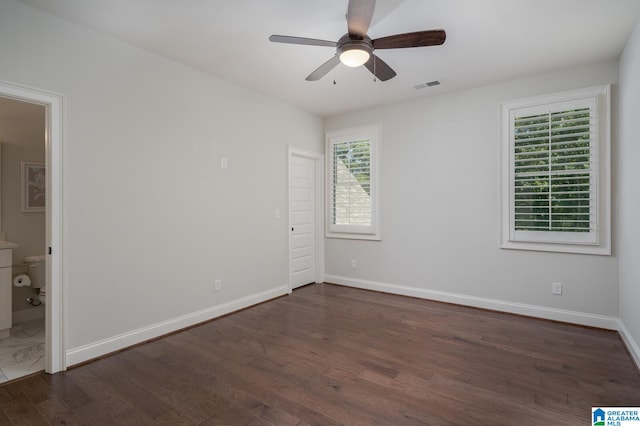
(553, 170)
(352, 198)
(555, 149)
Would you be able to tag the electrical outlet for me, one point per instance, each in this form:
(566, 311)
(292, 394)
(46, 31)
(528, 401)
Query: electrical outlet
(217, 285)
(354, 264)
(556, 288)
(224, 163)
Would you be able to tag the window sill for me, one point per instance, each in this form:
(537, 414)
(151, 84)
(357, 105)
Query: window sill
(602, 250)
(354, 236)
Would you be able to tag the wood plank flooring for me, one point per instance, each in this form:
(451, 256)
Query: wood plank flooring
(334, 355)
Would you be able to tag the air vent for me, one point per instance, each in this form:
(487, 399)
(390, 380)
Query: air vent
(427, 84)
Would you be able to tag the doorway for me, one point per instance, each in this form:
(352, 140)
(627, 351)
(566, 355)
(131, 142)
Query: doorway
(306, 237)
(52, 103)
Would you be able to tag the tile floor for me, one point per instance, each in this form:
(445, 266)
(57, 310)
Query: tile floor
(23, 352)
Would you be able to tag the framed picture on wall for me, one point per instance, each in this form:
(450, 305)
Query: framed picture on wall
(33, 186)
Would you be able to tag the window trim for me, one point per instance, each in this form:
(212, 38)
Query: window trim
(373, 232)
(602, 179)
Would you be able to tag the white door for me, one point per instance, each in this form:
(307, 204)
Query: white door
(302, 219)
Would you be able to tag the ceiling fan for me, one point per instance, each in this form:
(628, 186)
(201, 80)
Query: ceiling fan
(356, 48)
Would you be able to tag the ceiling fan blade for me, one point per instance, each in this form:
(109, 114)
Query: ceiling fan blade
(416, 39)
(359, 14)
(301, 40)
(383, 9)
(379, 68)
(323, 69)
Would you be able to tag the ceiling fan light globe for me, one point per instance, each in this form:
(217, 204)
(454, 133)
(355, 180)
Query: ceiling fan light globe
(354, 57)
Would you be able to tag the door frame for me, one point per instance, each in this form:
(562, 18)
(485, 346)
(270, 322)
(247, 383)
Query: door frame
(55, 350)
(318, 159)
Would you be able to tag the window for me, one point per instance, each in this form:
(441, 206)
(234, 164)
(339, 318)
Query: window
(555, 188)
(352, 184)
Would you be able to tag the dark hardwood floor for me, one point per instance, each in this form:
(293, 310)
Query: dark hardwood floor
(334, 355)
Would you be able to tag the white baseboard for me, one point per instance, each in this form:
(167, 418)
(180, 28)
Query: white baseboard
(581, 318)
(632, 345)
(25, 315)
(113, 344)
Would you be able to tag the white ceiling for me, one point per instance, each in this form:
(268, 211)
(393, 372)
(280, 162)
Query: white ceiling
(487, 41)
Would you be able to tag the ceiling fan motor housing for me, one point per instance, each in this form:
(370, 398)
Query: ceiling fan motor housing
(347, 43)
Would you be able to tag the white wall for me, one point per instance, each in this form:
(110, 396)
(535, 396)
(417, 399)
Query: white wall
(440, 184)
(22, 135)
(628, 208)
(149, 217)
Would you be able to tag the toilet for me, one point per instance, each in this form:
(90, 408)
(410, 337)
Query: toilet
(37, 273)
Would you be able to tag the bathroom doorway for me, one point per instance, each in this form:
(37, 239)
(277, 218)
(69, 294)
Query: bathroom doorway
(31, 137)
(23, 236)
